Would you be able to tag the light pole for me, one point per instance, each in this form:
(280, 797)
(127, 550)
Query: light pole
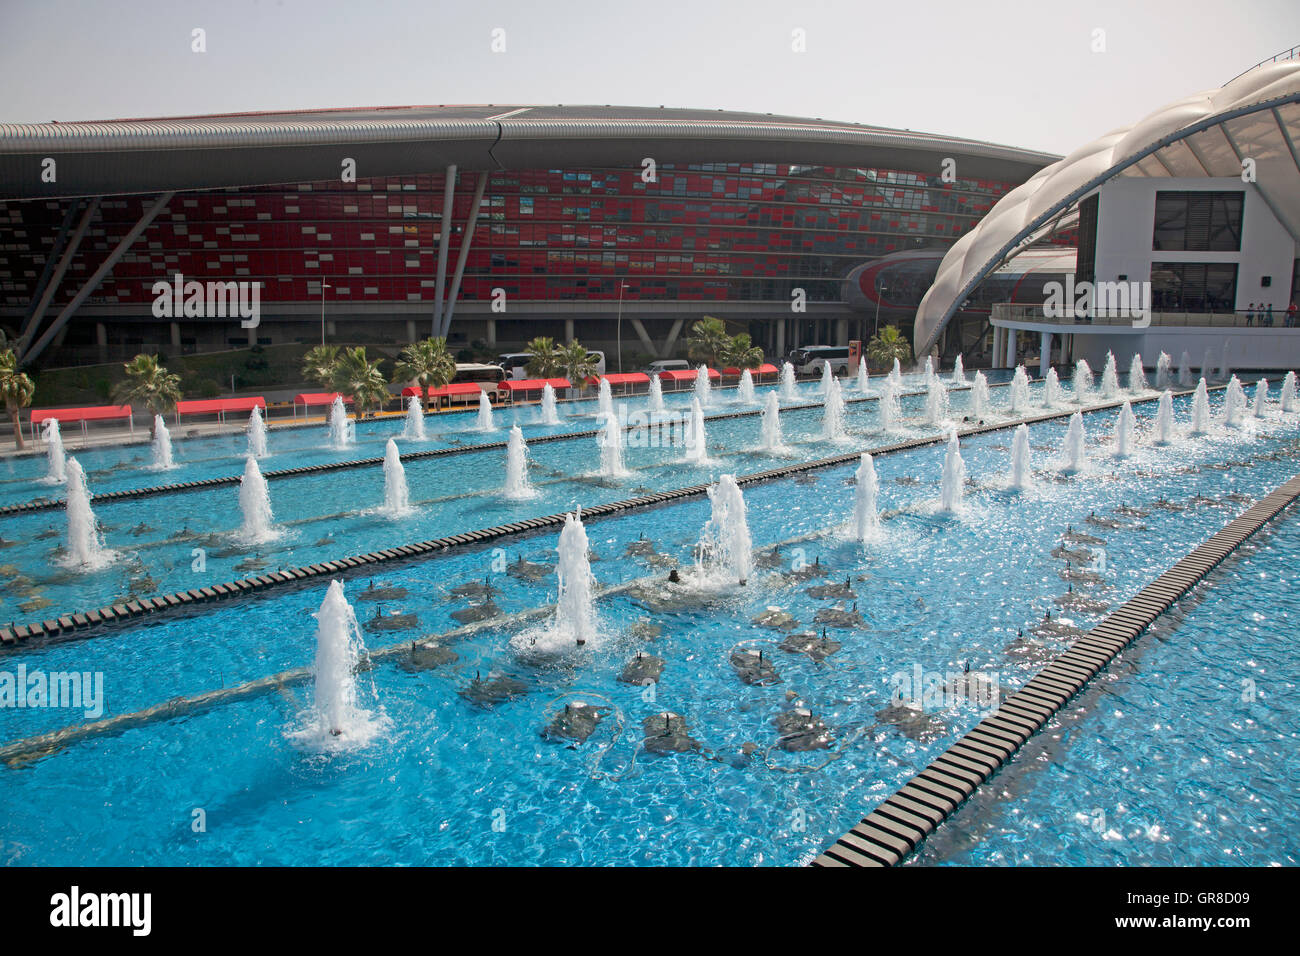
(621, 287)
(875, 326)
(323, 287)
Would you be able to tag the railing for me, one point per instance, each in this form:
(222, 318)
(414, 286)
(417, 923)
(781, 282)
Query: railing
(1290, 54)
(1012, 312)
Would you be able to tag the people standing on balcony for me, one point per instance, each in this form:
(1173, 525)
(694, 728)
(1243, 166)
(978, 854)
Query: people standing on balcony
(1250, 314)
(1269, 315)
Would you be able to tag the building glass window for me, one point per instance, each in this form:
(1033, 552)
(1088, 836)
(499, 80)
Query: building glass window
(1198, 222)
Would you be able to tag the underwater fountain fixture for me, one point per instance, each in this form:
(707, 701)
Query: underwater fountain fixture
(161, 447)
(1163, 432)
(1073, 453)
(1020, 476)
(866, 517)
(83, 548)
(703, 387)
(864, 378)
(342, 430)
(1201, 409)
(827, 378)
(746, 387)
(1163, 363)
(1261, 397)
(413, 427)
(1019, 392)
(397, 497)
(551, 413)
(1110, 378)
(517, 486)
(1234, 403)
(787, 382)
(483, 422)
(1124, 426)
(256, 431)
(936, 401)
(953, 483)
(770, 440)
(958, 372)
(336, 718)
(254, 506)
(1287, 398)
(979, 397)
(606, 400)
(726, 552)
(1053, 396)
(1081, 384)
(1137, 379)
(1185, 370)
(56, 467)
(889, 408)
(833, 412)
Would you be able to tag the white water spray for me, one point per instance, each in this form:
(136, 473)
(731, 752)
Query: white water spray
(1201, 409)
(255, 506)
(726, 553)
(703, 387)
(484, 421)
(341, 428)
(1137, 379)
(958, 372)
(1124, 426)
(697, 452)
(162, 446)
(551, 412)
(771, 441)
(864, 379)
(1019, 392)
(1163, 364)
(788, 393)
(979, 397)
(1164, 426)
(746, 387)
(1053, 395)
(611, 448)
(866, 517)
(413, 429)
(953, 483)
(256, 431)
(833, 413)
(1020, 476)
(517, 485)
(1234, 403)
(1185, 370)
(83, 549)
(1110, 378)
(1261, 397)
(397, 497)
(1082, 382)
(1073, 453)
(56, 469)
(1287, 399)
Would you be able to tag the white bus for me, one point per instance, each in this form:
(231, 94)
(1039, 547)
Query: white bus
(810, 359)
(515, 364)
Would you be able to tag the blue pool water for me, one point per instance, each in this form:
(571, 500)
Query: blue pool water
(1185, 752)
(181, 541)
(453, 781)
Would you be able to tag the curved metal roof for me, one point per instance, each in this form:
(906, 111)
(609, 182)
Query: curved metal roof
(1205, 135)
(247, 149)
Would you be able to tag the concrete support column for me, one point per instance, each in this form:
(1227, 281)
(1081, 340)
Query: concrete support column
(492, 333)
(995, 359)
(410, 330)
(1044, 353)
(1011, 348)
(780, 338)
(444, 244)
(176, 334)
(252, 336)
(568, 330)
(841, 331)
(331, 328)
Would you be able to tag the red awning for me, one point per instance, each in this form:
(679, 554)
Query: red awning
(215, 405)
(534, 384)
(320, 398)
(764, 369)
(91, 413)
(457, 388)
(686, 375)
(622, 378)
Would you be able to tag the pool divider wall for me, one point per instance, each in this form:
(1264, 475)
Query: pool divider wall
(891, 832)
(67, 626)
(51, 504)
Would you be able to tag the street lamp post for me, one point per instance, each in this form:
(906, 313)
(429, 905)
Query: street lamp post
(621, 287)
(875, 326)
(323, 287)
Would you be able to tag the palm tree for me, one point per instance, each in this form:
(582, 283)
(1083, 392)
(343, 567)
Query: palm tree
(576, 363)
(356, 375)
(319, 365)
(742, 353)
(888, 345)
(149, 384)
(428, 363)
(708, 341)
(545, 360)
(18, 390)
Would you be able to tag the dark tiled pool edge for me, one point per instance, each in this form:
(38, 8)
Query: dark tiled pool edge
(889, 833)
(69, 624)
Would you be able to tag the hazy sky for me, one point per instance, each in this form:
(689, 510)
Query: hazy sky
(1021, 73)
